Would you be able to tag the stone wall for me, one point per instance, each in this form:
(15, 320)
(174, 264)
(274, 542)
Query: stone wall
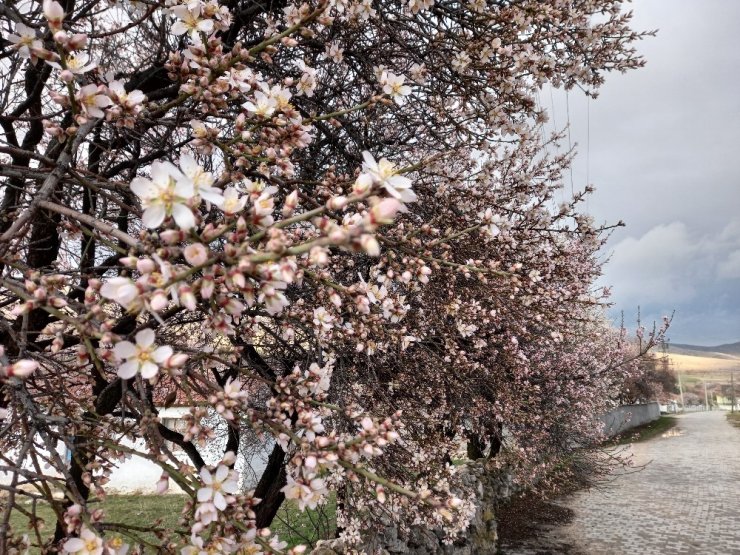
(479, 539)
(491, 487)
(620, 419)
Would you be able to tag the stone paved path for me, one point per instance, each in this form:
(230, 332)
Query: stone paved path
(686, 501)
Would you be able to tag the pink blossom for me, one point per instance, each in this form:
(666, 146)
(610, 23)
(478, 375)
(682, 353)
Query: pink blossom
(386, 175)
(165, 194)
(143, 357)
(92, 101)
(25, 40)
(196, 254)
(222, 481)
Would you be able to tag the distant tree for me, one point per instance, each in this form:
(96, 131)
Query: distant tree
(654, 379)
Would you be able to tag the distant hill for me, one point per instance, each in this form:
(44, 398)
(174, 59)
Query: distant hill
(727, 351)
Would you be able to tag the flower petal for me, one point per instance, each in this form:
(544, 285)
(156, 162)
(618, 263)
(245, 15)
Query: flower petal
(163, 171)
(149, 370)
(369, 159)
(211, 194)
(188, 165)
(145, 337)
(184, 188)
(179, 28)
(124, 349)
(183, 216)
(73, 545)
(143, 188)
(153, 216)
(204, 494)
(128, 370)
(162, 353)
(230, 486)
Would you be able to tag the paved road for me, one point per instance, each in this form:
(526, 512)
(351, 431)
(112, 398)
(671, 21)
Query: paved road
(685, 501)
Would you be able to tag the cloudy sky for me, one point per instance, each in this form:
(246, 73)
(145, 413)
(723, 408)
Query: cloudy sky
(662, 147)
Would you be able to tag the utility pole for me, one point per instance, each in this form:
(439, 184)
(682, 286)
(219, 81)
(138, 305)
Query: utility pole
(706, 397)
(732, 382)
(680, 390)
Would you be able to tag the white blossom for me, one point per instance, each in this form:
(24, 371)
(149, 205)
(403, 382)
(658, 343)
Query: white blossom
(144, 357)
(386, 175)
(262, 105)
(306, 494)
(128, 100)
(323, 319)
(25, 41)
(190, 21)
(232, 202)
(222, 481)
(165, 194)
(121, 290)
(89, 543)
(393, 86)
(202, 180)
(92, 101)
(76, 63)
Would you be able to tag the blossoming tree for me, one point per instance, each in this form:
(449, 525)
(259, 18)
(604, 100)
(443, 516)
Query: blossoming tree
(333, 223)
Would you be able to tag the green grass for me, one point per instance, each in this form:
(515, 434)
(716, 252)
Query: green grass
(646, 431)
(145, 511)
(306, 527)
(163, 512)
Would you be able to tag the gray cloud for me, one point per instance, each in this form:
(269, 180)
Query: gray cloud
(672, 267)
(662, 145)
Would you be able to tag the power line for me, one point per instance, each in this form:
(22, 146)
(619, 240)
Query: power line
(588, 139)
(570, 143)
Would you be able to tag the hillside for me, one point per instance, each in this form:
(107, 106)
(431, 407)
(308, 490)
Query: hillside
(690, 364)
(729, 351)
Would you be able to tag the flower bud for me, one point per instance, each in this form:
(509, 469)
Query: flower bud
(370, 245)
(176, 361)
(172, 236)
(363, 183)
(61, 37)
(129, 261)
(207, 285)
(159, 301)
(187, 298)
(77, 41)
(23, 368)
(54, 14)
(338, 236)
(291, 201)
(146, 265)
(384, 211)
(163, 484)
(57, 302)
(336, 203)
(195, 254)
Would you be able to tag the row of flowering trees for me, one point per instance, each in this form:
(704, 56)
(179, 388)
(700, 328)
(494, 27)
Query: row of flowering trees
(334, 223)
